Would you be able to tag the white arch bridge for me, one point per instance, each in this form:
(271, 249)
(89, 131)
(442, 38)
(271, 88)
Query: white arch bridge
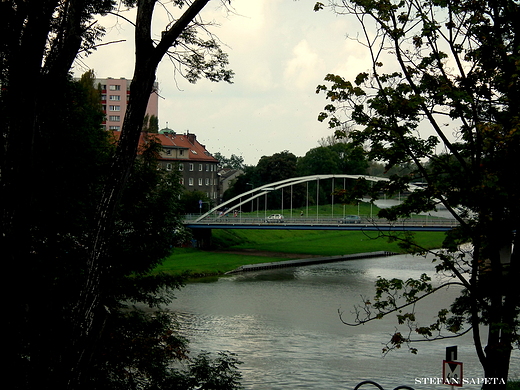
(233, 217)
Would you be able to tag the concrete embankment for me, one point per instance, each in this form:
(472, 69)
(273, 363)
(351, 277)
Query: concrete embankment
(311, 261)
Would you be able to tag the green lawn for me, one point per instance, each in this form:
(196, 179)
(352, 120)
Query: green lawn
(319, 243)
(208, 263)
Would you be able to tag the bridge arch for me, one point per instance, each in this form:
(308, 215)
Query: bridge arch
(265, 189)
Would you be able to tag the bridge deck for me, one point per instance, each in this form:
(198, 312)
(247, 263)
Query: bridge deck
(433, 225)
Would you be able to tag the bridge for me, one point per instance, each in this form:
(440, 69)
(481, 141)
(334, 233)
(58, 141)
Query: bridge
(326, 223)
(232, 214)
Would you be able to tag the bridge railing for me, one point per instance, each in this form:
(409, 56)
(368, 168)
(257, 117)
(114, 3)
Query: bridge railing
(322, 220)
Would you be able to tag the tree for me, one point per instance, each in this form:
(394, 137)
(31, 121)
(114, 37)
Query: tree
(337, 158)
(74, 227)
(234, 162)
(277, 167)
(189, 202)
(137, 351)
(150, 124)
(445, 68)
(320, 160)
(274, 168)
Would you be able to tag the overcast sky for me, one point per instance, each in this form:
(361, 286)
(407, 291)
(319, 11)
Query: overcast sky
(280, 50)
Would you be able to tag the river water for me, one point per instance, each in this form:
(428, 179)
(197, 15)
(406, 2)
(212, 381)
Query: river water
(284, 326)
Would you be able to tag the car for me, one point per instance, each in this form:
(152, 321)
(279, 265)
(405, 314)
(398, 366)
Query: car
(274, 218)
(350, 219)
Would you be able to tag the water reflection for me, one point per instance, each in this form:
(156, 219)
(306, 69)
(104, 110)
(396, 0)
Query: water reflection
(284, 325)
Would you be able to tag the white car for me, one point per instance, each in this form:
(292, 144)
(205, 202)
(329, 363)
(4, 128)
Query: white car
(274, 218)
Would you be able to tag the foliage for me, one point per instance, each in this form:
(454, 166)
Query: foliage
(92, 220)
(150, 124)
(277, 167)
(243, 183)
(189, 202)
(219, 373)
(513, 385)
(233, 162)
(137, 351)
(338, 158)
(269, 169)
(446, 73)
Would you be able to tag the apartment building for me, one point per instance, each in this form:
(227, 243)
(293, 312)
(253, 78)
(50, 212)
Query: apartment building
(182, 152)
(114, 98)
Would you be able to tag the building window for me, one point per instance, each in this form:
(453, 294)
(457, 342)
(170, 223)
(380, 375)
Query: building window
(168, 167)
(181, 167)
(114, 87)
(114, 108)
(168, 152)
(181, 152)
(114, 97)
(117, 128)
(103, 98)
(200, 181)
(181, 181)
(114, 118)
(190, 181)
(207, 181)
(207, 167)
(191, 167)
(200, 167)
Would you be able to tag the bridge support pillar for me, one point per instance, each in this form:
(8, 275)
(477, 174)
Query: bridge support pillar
(202, 238)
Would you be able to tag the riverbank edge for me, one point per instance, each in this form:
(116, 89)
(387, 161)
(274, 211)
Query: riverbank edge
(308, 261)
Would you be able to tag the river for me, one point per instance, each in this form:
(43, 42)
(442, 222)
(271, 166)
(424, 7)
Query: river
(284, 326)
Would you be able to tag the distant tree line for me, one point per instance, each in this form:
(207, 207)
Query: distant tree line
(330, 158)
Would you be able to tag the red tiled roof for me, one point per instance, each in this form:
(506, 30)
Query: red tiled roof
(197, 151)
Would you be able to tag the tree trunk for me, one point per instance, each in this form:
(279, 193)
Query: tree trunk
(87, 314)
(504, 294)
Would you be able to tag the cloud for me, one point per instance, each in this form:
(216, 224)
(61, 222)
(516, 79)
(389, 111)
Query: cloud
(302, 68)
(279, 50)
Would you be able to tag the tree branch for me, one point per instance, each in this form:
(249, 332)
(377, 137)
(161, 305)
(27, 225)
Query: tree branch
(397, 308)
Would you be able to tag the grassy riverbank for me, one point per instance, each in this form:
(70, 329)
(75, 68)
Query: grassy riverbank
(240, 247)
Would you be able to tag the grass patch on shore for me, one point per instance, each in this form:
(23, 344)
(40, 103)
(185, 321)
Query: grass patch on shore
(279, 242)
(316, 242)
(201, 263)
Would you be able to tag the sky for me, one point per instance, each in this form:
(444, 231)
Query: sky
(279, 50)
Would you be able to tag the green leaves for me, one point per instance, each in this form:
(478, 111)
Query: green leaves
(318, 6)
(390, 292)
(442, 97)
